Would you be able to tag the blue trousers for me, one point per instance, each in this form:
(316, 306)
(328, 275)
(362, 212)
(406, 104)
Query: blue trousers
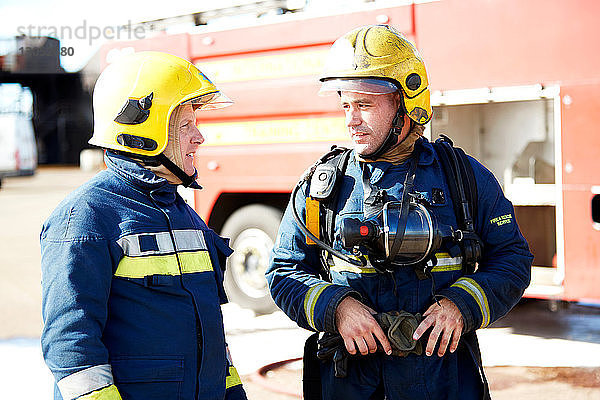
(452, 377)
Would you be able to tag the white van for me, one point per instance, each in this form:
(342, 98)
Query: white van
(18, 151)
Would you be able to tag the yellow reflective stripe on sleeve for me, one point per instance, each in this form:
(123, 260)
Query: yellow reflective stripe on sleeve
(233, 378)
(140, 267)
(310, 300)
(473, 288)
(107, 393)
(446, 263)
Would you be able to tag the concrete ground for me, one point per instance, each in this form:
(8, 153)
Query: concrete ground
(530, 353)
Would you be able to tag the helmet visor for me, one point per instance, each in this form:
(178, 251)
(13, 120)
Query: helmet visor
(209, 101)
(358, 85)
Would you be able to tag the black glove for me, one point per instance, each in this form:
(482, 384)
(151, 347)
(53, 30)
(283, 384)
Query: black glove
(331, 347)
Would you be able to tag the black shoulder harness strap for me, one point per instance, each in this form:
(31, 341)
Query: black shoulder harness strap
(458, 170)
(340, 162)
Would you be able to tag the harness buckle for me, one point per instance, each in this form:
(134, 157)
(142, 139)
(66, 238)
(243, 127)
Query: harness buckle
(458, 235)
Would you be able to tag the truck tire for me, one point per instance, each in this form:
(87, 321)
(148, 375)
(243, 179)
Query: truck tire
(252, 230)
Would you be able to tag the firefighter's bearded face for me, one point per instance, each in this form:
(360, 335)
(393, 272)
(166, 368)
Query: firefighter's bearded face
(369, 118)
(184, 138)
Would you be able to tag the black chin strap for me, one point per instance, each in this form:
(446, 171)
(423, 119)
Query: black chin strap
(185, 179)
(392, 137)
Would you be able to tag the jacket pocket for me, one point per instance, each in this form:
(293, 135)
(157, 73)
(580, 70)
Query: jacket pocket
(148, 377)
(220, 250)
(223, 250)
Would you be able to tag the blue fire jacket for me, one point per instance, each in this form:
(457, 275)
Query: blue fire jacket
(132, 287)
(482, 297)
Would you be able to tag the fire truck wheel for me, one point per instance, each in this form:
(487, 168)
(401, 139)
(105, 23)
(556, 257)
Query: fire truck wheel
(252, 230)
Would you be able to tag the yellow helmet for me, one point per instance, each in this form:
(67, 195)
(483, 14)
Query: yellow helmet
(135, 96)
(378, 59)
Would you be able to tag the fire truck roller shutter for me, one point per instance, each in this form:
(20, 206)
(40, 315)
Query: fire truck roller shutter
(252, 230)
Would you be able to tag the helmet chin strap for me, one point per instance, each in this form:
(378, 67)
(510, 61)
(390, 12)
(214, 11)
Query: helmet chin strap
(162, 159)
(185, 179)
(392, 137)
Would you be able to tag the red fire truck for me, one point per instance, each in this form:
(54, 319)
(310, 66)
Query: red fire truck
(515, 83)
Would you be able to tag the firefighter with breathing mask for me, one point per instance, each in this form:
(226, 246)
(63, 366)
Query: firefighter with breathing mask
(131, 275)
(372, 252)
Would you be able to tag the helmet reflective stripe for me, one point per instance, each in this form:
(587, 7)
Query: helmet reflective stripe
(135, 96)
(380, 52)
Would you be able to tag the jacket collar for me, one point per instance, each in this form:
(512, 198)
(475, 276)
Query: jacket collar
(141, 178)
(378, 168)
(427, 154)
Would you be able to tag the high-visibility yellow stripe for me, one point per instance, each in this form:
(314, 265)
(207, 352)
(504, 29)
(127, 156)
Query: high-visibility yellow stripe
(446, 268)
(107, 393)
(473, 288)
(233, 378)
(139, 267)
(310, 301)
(197, 261)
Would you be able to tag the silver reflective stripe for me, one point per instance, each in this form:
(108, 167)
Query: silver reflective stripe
(186, 240)
(470, 286)
(85, 381)
(189, 240)
(443, 259)
(310, 301)
(340, 265)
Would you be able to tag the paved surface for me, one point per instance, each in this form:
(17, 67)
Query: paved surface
(25, 202)
(257, 341)
(531, 335)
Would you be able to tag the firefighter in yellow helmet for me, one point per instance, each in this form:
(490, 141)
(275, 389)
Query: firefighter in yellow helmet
(377, 60)
(388, 274)
(138, 101)
(131, 275)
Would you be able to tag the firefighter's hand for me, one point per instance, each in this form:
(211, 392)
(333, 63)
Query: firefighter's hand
(358, 328)
(446, 320)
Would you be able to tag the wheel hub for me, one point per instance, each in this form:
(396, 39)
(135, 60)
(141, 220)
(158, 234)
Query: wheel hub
(250, 260)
